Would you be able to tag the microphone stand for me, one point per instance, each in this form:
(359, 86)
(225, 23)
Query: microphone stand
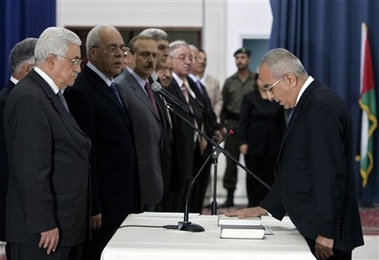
(186, 225)
(215, 153)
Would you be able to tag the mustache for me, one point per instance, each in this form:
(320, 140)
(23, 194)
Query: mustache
(149, 66)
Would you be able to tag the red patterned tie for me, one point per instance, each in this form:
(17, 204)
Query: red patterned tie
(151, 95)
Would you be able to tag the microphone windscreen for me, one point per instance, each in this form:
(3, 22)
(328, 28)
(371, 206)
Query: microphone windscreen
(155, 86)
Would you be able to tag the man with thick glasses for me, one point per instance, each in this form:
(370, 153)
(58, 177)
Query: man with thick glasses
(100, 109)
(184, 137)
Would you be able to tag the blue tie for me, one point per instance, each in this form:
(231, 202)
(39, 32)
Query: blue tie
(115, 91)
(290, 112)
(199, 86)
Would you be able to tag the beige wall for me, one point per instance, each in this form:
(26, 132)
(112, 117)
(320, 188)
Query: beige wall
(226, 22)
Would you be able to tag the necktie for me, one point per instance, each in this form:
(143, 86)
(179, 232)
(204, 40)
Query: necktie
(151, 95)
(60, 95)
(115, 91)
(199, 86)
(290, 112)
(184, 90)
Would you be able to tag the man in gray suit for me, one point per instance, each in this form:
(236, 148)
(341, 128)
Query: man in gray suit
(147, 120)
(47, 201)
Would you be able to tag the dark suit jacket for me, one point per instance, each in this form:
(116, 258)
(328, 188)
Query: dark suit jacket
(315, 180)
(115, 184)
(183, 136)
(210, 118)
(148, 137)
(4, 172)
(262, 124)
(49, 166)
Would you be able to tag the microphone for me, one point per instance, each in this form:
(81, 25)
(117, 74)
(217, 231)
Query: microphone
(156, 87)
(186, 225)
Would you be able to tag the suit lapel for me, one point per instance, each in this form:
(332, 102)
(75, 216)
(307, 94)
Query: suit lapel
(55, 100)
(103, 88)
(140, 93)
(178, 92)
(297, 110)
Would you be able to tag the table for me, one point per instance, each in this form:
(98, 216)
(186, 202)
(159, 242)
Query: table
(159, 243)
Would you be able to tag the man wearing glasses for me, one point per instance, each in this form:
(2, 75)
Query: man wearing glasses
(98, 106)
(315, 183)
(47, 200)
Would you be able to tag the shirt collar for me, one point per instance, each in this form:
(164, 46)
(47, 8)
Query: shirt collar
(141, 81)
(49, 80)
(304, 87)
(14, 80)
(107, 80)
(178, 80)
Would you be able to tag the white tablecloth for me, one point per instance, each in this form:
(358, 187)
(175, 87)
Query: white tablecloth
(159, 243)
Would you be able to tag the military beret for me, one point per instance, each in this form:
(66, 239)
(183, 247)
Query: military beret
(243, 50)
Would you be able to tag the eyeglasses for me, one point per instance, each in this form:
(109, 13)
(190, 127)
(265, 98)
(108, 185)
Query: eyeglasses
(200, 59)
(76, 61)
(114, 49)
(184, 57)
(270, 87)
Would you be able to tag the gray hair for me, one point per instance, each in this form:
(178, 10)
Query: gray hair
(54, 40)
(93, 36)
(193, 47)
(175, 45)
(281, 61)
(155, 33)
(21, 53)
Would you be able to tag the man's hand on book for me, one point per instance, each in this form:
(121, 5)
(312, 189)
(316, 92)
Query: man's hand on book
(247, 212)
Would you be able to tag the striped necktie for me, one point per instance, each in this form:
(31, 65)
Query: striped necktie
(115, 91)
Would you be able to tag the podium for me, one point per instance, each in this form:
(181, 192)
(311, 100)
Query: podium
(154, 242)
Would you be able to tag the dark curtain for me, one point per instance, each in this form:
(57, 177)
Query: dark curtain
(21, 19)
(326, 36)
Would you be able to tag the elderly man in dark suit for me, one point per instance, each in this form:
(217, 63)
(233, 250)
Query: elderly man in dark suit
(99, 108)
(315, 182)
(47, 202)
(21, 61)
(148, 121)
(186, 140)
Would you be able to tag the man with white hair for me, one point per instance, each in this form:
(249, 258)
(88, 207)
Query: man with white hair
(99, 107)
(47, 199)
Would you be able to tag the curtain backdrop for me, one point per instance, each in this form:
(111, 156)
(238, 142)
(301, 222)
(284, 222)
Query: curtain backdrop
(21, 19)
(326, 36)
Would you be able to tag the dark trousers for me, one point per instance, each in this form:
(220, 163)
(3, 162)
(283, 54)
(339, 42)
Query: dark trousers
(337, 254)
(232, 145)
(100, 238)
(263, 168)
(28, 252)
